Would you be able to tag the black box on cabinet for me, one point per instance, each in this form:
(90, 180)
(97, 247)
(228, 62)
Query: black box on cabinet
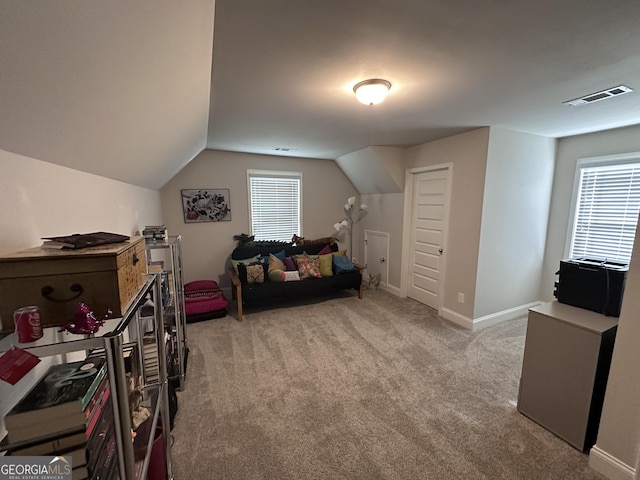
(592, 284)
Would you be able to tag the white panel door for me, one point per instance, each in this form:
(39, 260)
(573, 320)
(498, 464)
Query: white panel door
(427, 227)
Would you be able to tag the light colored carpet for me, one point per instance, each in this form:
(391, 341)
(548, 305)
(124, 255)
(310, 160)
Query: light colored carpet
(379, 388)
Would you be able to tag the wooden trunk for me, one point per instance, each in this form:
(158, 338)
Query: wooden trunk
(106, 277)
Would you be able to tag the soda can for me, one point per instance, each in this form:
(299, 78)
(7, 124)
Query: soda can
(27, 323)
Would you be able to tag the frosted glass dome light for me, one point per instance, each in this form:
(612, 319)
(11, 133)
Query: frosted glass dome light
(372, 91)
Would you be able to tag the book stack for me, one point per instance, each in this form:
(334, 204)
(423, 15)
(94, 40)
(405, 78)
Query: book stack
(68, 413)
(150, 355)
(155, 232)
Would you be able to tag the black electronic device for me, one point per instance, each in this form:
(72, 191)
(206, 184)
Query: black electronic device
(592, 284)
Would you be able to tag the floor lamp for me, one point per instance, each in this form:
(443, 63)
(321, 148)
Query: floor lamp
(353, 215)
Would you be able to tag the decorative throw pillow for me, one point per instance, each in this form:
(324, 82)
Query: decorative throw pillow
(291, 276)
(276, 275)
(342, 264)
(243, 270)
(326, 265)
(326, 249)
(246, 261)
(290, 265)
(280, 255)
(340, 253)
(275, 264)
(309, 267)
(255, 273)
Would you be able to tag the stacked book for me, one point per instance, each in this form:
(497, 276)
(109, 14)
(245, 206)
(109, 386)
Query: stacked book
(155, 232)
(67, 413)
(150, 355)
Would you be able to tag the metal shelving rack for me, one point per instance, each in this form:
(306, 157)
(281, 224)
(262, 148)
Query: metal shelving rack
(174, 309)
(114, 336)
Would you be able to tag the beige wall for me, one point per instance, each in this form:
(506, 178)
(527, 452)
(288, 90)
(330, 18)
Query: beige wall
(468, 154)
(207, 245)
(569, 150)
(619, 435)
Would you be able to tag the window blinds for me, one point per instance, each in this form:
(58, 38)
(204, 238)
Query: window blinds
(275, 207)
(607, 212)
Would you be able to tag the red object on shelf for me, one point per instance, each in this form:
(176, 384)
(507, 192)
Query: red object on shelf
(15, 364)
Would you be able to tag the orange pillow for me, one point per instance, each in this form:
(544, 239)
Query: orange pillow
(309, 267)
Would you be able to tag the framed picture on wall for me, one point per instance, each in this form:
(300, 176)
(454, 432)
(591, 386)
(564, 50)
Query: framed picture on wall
(206, 205)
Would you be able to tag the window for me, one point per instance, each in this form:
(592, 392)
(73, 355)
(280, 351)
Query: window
(274, 204)
(606, 210)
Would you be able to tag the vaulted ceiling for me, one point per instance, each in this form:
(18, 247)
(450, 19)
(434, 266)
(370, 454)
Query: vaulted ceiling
(283, 70)
(134, 90)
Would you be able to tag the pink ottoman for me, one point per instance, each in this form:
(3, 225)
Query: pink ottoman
(203, 300)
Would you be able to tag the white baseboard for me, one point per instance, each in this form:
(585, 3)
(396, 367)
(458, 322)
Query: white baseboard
(456, 318)
(391, 289)
(503, 316)
(609, 466)
(487, 320)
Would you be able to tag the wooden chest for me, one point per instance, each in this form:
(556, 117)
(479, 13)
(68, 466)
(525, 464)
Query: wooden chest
(104, 277)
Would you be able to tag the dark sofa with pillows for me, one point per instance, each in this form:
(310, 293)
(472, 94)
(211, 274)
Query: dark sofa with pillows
(262, 273)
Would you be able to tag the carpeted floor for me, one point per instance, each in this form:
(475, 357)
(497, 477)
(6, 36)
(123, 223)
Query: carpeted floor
(379, 388)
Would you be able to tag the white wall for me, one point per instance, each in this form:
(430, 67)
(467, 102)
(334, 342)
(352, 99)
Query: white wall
(40, 199)
(468, 153)
(385, 215)
(206, 246)
(515, 211)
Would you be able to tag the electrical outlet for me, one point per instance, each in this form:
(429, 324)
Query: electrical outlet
(460, 297)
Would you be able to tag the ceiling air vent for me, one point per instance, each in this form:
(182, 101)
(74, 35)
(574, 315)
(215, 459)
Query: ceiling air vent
(594, 97)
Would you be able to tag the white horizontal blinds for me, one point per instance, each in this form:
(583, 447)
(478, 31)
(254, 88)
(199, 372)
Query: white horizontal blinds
(607, 212)
(275, 206)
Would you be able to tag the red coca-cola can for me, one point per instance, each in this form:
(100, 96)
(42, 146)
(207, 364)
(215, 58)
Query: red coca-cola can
(27, 323)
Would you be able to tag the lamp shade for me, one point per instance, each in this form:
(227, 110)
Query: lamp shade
(373, 91)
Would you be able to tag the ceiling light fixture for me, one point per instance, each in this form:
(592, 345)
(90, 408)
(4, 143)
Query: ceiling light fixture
(372, 91)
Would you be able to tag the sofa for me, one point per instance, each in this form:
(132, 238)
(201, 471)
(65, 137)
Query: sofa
(256, 280)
